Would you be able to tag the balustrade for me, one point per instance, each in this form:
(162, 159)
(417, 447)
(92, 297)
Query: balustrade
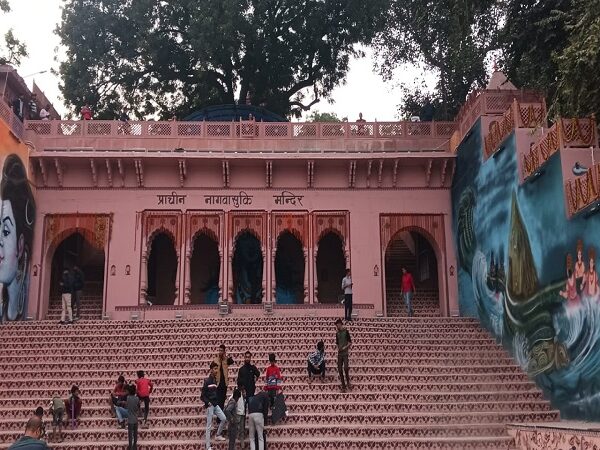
(583, 191)
(565, 133)
(13, 122)
(241, 130)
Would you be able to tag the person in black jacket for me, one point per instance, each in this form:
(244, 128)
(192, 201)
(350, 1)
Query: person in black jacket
(78, 279)
(210, 399)
(258, 408)
(247, 376)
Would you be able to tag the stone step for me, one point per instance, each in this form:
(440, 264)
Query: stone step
(329, 385)
(200, 367)
(381, 397)
(25, 408)
(107, 379)
(307, 419)
(302, 443)
(284, 431)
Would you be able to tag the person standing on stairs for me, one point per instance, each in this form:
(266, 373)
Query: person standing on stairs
(344, 343)
(347, 288)
(209, 397)
(144, 388)
(247, 376)
(408, 290)
(78, 280)
(133, 408)
(223, 362)
(66, 288)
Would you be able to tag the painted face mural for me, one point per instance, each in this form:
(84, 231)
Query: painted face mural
(17, 220)
(528, 273)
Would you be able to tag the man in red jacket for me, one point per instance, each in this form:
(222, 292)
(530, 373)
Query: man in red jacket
(408, 289)
(143, 388)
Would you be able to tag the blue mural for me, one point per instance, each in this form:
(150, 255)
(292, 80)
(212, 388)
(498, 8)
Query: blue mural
(528, 273)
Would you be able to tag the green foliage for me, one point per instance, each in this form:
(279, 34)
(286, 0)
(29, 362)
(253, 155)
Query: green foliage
(534, 32)
(13, 49)
(154, 57)
(450, 37)
(317, 116)
(578, 63)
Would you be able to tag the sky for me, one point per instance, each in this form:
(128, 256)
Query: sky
(34, 22)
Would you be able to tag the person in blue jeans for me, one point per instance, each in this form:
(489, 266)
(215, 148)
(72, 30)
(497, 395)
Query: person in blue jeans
(211, 403)
(408, 290)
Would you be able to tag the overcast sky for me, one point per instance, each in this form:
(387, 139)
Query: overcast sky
(34, 22)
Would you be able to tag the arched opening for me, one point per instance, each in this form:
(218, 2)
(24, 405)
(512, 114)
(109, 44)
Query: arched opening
(331, 268)
(289, 270)
(412, 250)
(247, 268)
(162, 271)
(76, 251)
(205, 266)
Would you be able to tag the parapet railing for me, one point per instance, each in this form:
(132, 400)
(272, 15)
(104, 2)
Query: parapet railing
(565, 133)
(518, 115)
(14, 123)
(241, 129)
(583, 191)
(489, 102)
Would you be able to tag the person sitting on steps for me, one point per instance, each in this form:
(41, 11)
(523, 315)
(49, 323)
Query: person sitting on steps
(316, 362)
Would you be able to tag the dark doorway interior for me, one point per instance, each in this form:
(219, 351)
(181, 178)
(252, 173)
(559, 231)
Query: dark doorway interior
(162, 270)
(247, 268)
(289, 270)
(331, 268)
(75, 250)
(205, 267)
(412, 250)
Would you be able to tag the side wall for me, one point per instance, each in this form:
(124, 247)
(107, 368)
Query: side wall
(512, 245)
(364, 208)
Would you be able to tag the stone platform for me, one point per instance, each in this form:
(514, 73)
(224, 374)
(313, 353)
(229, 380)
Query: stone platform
(564, 435)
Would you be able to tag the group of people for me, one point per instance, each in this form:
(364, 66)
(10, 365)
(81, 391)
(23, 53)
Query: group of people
(71, 289)
(244, 403)
(19, 108)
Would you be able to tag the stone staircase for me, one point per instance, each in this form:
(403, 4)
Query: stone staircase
(419, 383)
(91, 303)
(425, 303)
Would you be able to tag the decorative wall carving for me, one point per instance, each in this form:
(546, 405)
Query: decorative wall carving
(95, 228)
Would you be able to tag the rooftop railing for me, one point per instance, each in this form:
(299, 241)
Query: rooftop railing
(242, 129)
(14, 124)
(583, 191)
(565, 133)
(518, 115)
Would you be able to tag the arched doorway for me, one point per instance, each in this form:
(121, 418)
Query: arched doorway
(331, 268)
(247, 266)
(412, 250)
(73, 251)
(162, 271)
(289, 270)
(205, 266)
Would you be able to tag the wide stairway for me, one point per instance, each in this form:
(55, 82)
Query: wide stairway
(420, 383)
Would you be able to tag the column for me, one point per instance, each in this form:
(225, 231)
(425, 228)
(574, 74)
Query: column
(305, 290)
(222, 274)
(273, 280)
(315, 276)
(187, 273)
(178, 281)
(264, 274)
(144, 276)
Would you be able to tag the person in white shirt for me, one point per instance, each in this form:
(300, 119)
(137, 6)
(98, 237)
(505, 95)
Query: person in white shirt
(347, 288)
(45, 113)
(236, 417)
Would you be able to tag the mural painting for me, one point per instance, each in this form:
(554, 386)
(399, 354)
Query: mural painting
(529, 274)
(17, 219)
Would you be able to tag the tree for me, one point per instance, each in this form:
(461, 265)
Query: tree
(154, 57)
(317, 116)
(578, 87)
(450, 37)
(534, 32)
(13, 49)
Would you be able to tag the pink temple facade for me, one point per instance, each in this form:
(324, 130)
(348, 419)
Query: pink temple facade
(353, 188)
